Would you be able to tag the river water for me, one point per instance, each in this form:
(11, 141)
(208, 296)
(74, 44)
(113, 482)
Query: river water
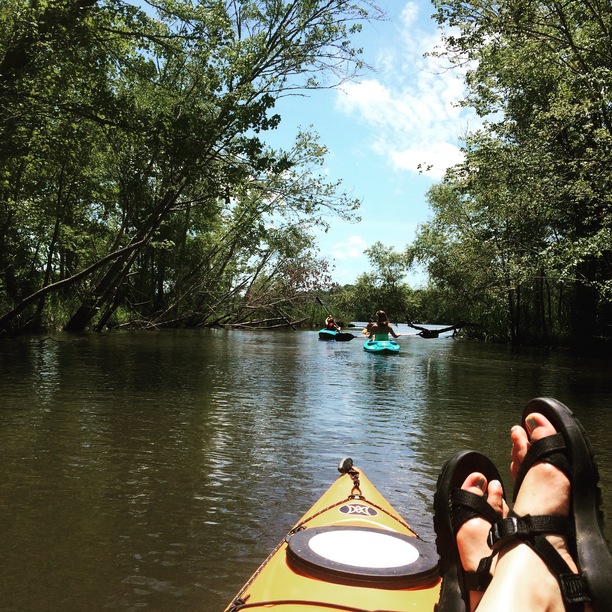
(155, 471)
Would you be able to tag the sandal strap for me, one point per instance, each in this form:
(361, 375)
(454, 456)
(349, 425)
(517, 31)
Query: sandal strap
(481, 578)
(531, 530)
(526, 527)
(466, 505)
(574, 588)
(551, 449)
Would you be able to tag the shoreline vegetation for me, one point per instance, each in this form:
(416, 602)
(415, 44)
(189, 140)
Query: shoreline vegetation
(137, 189)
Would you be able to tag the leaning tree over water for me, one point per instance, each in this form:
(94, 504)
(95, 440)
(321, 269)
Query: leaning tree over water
(133, 175)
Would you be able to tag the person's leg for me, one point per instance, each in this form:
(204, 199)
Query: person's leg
(554, 530)
(522, 581)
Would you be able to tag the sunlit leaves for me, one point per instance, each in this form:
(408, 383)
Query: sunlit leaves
(140, 123)
(535, 188)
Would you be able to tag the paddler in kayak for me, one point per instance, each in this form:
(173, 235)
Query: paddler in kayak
(368, 327)
(382, 328)
(330, 324)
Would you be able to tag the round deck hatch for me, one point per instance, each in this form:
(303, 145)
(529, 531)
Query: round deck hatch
(363, 555)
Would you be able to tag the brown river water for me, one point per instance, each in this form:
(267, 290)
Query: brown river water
(155, 471)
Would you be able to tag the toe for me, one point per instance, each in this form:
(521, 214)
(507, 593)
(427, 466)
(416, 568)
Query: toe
(495, 497)
(520, 446)
(539, 426)
(475, 483)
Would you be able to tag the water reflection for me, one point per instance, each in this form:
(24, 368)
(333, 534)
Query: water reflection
(157, 470)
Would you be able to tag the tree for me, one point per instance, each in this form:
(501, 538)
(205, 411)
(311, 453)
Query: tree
(259, 246)
(539, 171)
(147, 126)
(382, 288)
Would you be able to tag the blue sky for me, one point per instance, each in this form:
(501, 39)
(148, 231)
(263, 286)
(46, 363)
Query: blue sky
(379, 128)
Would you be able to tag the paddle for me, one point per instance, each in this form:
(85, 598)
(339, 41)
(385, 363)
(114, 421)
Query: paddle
(329, 314)
(435, 333)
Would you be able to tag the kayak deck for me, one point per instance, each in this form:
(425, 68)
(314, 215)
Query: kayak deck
(339, 336)
(381, 346)
(351, 551)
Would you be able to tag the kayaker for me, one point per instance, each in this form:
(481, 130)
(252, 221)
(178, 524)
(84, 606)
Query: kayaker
(330, 324)
(368, 327)
(382, 328)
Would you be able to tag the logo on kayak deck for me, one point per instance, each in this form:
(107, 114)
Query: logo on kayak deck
(358, 509)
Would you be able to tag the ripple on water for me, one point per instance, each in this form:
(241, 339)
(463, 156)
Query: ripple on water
(174, 462)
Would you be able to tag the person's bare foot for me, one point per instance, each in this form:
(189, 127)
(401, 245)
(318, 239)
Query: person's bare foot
(522, 580)
(472, 536)
(545, 489)
(467, 502)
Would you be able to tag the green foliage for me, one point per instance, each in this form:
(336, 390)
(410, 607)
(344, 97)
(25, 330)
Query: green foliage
(382, 288)
(521, 234)
(133, 178)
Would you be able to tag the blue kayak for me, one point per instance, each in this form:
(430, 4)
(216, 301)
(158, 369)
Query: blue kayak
(330, 334)
(384, 347)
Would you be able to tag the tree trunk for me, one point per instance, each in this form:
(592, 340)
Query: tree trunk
(109, 283)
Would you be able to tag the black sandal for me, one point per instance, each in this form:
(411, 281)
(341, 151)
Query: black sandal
(452, 508)
(532, 530)
(570, 451)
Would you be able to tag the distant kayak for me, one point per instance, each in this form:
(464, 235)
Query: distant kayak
(339, 336)
(382, 346)
(351, 551)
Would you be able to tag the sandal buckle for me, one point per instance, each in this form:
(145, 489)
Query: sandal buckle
(505, 528)
(574, 588)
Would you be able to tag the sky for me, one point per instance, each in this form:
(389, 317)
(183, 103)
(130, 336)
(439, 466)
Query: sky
(379, 128)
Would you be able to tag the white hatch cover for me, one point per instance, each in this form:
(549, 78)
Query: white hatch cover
(363, 555)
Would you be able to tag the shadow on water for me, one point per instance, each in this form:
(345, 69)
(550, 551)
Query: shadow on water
(156, 471)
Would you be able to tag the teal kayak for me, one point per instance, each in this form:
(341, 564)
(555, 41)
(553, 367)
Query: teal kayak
(330, 334)
(388, 347)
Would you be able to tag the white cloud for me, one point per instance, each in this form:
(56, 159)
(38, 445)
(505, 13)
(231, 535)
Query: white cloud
(409, 15)
(433, 158)
(409, 110)
(352, 248)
